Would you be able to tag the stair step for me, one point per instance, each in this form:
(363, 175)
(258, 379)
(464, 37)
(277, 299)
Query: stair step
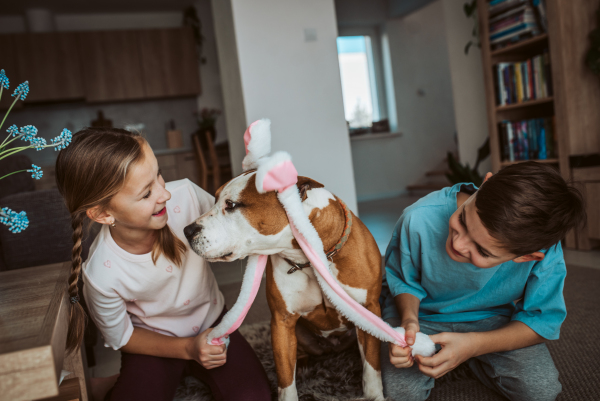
(436, 172)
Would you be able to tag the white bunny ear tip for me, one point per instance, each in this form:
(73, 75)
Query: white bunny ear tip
(257, 140)
(275, 173)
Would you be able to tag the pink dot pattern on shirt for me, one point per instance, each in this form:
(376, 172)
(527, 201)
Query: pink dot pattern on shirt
(196, 329)
(176, 209)
(187, 302)
(169, 269)
(215, 301)
(107, 263)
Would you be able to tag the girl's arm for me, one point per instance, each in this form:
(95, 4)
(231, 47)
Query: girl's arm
(147, 342)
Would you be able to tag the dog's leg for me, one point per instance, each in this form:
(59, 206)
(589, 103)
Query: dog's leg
(369, 352)
(283, 338)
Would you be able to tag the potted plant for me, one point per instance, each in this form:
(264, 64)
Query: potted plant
(207, 119)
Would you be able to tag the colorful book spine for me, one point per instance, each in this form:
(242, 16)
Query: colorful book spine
(532, 139)
(523, 81)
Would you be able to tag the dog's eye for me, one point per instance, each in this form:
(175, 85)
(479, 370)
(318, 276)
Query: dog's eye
(230, 205)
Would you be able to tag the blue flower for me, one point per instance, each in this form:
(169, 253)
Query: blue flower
(38, 143)
(13, 130)
(22, 90)
(36, 172)
(16, 222)
(28, 132)
(3, 79)
(63, 140)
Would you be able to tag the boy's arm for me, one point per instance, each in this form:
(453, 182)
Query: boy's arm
(408, 309)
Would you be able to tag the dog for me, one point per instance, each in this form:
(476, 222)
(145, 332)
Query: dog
(244, 222)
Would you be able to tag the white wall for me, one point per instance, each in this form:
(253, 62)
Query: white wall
(294, 83)
(424, 105)
(468, 85)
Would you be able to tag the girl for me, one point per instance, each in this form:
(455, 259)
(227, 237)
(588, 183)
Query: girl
(148, 293)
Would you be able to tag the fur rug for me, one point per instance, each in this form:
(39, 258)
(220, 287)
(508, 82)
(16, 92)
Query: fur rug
(333, 377)
(327, 378)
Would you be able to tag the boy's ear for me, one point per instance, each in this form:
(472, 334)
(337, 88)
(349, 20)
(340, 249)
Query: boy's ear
(487, 176)
(99, 216)
(537, 256)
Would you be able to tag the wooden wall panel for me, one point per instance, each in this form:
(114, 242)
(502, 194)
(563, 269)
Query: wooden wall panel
(51, 64)
(169, 62)
(111, 65)
(8, 62)
(578, 89)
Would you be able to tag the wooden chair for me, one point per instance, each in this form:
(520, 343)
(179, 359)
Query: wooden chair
(209, 163)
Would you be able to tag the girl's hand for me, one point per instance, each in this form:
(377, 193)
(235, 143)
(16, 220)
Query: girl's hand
(207, 355)
(456, 348)
(401, 357)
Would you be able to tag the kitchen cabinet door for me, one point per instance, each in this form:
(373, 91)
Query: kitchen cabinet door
(169, 62)
(8, 63)
(51, 63)
(111, 65)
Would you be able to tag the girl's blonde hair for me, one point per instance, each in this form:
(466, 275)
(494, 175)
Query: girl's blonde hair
(89, 172)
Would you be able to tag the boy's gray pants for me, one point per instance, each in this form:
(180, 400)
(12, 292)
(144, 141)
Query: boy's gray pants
(523, 374)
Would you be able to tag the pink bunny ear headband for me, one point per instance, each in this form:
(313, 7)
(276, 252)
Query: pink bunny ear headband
(277, 173)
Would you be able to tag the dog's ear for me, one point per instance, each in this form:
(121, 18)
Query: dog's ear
(305, 184)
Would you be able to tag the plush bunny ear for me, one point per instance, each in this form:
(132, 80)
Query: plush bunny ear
(275, 173)
(257, 140)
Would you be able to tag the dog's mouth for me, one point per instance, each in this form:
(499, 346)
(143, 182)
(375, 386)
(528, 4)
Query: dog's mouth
(221, 258)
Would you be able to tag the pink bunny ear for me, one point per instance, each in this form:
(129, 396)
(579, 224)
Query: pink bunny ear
(276, 173)
(257, 141)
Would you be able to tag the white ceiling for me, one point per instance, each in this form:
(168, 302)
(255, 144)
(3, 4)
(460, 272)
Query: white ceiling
(93, 6)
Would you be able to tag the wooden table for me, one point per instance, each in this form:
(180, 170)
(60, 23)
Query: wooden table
(34, 315)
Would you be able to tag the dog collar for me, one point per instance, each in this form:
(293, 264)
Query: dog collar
(336, 248)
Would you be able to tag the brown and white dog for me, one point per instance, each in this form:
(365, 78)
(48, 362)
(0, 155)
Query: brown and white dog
(245, 222)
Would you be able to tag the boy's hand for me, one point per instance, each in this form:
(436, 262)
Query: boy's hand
(456, 348)
(207, 355)
(401, 357)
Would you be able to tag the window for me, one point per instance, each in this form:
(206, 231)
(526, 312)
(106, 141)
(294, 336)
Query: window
(357, 85)
(361, 56)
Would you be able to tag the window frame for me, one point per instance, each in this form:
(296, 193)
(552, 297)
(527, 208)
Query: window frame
(375, 65)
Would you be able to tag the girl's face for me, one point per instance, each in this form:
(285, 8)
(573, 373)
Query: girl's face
(140, 204)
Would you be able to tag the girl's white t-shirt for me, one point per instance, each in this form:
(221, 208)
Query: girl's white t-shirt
(123, 290)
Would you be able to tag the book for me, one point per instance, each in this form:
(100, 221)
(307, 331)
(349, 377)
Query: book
(499, 6)
(523, 81)
(531, 139)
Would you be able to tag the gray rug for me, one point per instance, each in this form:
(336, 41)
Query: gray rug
(338, 377)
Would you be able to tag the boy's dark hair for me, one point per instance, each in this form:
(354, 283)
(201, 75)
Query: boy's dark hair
(528, 207)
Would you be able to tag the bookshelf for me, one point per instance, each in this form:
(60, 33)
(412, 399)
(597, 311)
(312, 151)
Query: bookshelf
(573, 103)
(543, 107)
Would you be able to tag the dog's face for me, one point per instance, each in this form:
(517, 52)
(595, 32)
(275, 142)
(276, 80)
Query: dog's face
(245, 222)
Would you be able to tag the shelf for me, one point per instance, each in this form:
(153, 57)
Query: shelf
(524, 45)
(528, 103)
(508, 163)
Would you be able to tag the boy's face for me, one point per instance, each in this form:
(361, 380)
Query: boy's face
(469, 241)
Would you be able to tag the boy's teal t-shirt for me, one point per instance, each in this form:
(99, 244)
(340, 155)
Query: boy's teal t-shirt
(416, 263)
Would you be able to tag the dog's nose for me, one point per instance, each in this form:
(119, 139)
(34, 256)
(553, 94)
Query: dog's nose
(191, 230)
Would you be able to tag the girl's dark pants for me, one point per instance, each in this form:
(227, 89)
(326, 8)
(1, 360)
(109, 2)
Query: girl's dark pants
(146, 378)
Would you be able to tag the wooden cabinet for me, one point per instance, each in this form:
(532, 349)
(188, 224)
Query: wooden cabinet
(178, 166)
(587, 180)
(51, 64)
(169, 62)
(101, 66)
(8, 62)
(112, 68)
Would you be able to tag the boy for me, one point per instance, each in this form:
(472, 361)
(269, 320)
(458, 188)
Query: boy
(458, 259)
